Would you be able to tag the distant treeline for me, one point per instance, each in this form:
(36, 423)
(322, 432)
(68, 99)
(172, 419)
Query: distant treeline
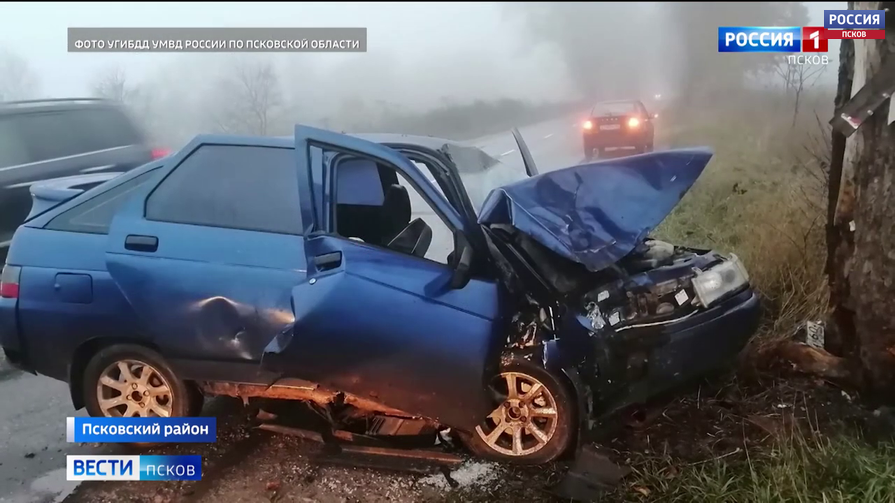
(464, 121)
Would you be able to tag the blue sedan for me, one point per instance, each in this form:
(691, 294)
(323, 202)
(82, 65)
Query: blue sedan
(403, 285)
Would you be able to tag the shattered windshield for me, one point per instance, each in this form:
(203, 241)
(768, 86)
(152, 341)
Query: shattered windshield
(482, 173)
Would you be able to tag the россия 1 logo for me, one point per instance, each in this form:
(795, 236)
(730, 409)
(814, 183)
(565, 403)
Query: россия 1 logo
(814, 39)
(772, 39)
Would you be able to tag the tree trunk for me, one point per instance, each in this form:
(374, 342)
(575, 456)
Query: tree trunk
(861, 224)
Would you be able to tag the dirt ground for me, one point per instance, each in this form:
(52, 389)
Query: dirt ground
(723, 420)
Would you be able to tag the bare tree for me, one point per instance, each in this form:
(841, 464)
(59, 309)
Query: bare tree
(584, 33)
(796, 79)
(17, 80)
(250, 99)
(112, 84)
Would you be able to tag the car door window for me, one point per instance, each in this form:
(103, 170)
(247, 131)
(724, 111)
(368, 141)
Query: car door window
(237, 187)
(388, 207)
(12, 149)
(103, 128)
(50, 135)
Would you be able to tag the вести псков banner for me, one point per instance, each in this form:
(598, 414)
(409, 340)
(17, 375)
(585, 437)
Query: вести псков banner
(113, 467)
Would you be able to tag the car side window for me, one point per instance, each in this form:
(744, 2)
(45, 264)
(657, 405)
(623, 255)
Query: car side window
(12, 149)
(50, 135)
(94, 216)
(103, 128)
(237, 187)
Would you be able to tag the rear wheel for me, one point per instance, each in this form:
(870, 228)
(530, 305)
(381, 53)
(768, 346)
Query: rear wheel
(534, 424)
(126, 380)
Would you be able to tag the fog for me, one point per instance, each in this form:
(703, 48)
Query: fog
(456, 69)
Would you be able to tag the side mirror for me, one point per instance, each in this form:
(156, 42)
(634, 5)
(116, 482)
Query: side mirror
(462, 262)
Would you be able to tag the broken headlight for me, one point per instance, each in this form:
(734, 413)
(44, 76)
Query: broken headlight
(724, 278)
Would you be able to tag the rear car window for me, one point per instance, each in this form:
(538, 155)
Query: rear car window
(94, 216)
(62, 133)
(618, 108)
(236, 187)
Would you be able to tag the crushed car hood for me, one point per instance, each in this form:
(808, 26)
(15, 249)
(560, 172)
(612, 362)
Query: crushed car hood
(597, 213)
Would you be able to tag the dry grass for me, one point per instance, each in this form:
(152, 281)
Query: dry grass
(763, 197)
(804, 467)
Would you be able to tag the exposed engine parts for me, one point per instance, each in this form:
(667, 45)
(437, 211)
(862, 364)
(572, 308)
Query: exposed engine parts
(654, 292)
(527, 326)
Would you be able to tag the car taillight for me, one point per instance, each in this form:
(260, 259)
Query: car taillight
(9, 282)
(158, 153)
(633, 122)
(588, 125)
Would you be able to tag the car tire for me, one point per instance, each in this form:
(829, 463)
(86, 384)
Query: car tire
(109, 391)
(554, 400)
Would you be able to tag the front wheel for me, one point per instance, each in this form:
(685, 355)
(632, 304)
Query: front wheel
(126, 380)
(535, 422)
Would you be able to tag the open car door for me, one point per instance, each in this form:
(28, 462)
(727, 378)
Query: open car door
(527, 159)
(379, 324)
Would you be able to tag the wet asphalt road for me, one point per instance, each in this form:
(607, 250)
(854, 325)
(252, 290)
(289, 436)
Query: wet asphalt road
(33, 408)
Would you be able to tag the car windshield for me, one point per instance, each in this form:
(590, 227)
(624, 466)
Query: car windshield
(614, 108)
(482, 173)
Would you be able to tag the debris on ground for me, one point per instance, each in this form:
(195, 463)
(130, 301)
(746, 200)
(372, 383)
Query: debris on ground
(591, 475)
(470, 474)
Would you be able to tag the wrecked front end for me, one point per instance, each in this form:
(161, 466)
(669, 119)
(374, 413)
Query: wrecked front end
(631, 316)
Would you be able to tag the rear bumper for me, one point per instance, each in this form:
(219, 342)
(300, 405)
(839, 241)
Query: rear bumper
(610, 139)
(10, 342)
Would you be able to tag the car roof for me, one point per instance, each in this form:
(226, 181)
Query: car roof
(54, 104)
(429, 142)
(610, 102)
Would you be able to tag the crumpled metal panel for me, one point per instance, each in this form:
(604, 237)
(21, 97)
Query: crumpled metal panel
(596, 213)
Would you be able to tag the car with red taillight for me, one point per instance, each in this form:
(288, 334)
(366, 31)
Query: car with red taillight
(49, 139)
(618, 124)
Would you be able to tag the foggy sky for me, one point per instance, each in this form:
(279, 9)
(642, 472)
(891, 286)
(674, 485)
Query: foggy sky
(418, 54)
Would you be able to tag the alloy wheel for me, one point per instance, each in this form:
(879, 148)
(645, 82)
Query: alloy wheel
(525, 422)
(132, 388)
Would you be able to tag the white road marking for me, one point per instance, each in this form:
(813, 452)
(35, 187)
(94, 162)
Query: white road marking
(548, 136)
(5, 244)
(508, 152)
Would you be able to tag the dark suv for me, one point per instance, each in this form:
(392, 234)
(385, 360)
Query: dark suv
(618, 124)
(47, 139)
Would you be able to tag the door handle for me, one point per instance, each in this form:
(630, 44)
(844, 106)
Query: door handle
(328, 261)
(141, 243)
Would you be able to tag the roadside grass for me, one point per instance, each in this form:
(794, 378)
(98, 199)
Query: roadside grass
(804, 467)
(763, 197)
